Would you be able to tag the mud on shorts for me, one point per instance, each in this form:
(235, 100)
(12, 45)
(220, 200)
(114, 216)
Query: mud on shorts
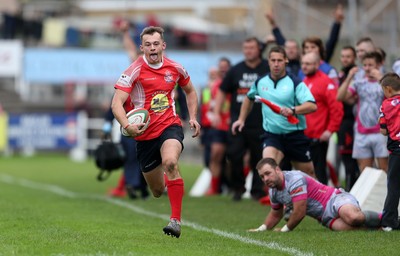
(337, 200)
(148, 151)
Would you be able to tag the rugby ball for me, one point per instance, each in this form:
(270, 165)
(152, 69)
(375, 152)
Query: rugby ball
(137, 116)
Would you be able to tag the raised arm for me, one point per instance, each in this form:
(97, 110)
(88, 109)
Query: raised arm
(127, 41)
(279, 38)
(335, 31)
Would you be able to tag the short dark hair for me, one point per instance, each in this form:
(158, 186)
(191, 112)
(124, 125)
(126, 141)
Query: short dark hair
(365, 40)
(318, 42)
(278, 49)
(225, 59)
(351, 48)
(382, 53)
(391, 79)
(151, 30)
(267, 160)
(254, 39)
(373, 55)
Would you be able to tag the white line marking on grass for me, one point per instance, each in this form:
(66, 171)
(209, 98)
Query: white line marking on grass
(63, 192)
(38, 186)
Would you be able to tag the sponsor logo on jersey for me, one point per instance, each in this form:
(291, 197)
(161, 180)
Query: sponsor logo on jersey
(124, 80)
(395, 102)
(296, 191)
(159, 103)
(168, 77)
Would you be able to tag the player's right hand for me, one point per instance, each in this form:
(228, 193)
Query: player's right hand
(237, 126)
(135, 130)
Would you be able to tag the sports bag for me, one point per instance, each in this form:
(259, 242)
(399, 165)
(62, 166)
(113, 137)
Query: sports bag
(109, 156)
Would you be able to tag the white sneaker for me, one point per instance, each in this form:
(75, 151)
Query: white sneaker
(387, 229)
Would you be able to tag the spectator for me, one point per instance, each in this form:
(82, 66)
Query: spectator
(217, 137)
(204, 120)
(368, 142)
(150, 81)
(390, 126)
(322, 123)
(237, 83)
(280, 137)
(333, 208)
(314, 44)
(346, 131)
(363, 46)
(294, 59)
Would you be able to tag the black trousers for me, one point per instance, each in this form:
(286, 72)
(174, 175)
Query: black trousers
(390, 213)
(318, 156)
(238, 145)
(351, 170)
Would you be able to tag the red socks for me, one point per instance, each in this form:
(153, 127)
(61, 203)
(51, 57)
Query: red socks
(121, 183)
(175, 190)
(215, 182)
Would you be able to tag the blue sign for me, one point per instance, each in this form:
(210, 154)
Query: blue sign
(60, 66)
(42, 131)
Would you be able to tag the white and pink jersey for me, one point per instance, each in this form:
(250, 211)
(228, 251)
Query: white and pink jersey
(152, 87)
(370, 97)
(299, 186)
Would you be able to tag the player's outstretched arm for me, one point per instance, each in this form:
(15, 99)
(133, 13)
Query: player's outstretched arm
(272, 219)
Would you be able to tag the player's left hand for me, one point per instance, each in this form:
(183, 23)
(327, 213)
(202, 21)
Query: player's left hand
(325, 136)
(194, 125)
(376, 74)
(261, 228)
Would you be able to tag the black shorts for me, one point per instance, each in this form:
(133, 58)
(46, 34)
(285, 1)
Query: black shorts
(217, 136)
(148, 151)
(294, 145)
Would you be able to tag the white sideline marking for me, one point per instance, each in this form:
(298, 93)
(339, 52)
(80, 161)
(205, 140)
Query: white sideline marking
(63, 192)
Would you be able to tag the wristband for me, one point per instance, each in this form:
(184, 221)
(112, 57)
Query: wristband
(263, 227)
(293, 109)
(285, 229)
(126, 126)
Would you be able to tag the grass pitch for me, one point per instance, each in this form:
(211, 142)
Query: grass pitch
(52, 206)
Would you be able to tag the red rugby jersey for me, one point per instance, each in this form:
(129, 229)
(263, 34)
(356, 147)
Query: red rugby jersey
(390, 119)
(152, 88)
